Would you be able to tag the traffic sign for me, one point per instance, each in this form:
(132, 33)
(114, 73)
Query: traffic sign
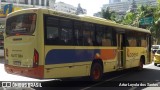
(146, 21)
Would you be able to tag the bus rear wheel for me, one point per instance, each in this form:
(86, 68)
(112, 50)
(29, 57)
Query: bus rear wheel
(140, 67)
(96, 72)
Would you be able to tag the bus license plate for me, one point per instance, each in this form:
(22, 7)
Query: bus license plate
(17, 63)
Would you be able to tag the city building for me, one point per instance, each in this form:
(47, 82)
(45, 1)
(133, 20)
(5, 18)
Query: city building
(61, 6)
(26, 3)
(121, 6)
(114, 1)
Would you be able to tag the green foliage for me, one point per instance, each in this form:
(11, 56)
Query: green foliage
(129, 18)
(143, 12)
(158, 1)
(107, 14)
(133, 18)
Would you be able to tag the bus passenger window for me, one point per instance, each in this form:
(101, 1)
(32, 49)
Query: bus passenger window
(143, 43)
(106, 40)
(132, 42)
(66, 32)
(143, 40)
(99, 38)
(66, 36)
(88, 41)
(52, 35)
(79, 37)
(78, 34)
(88, 34)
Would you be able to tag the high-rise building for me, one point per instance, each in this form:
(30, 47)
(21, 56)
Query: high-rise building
(114, 1)
(27, 3)
(123, 5)
(61, 6)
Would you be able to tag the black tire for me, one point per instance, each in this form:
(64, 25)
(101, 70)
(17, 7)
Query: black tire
(140, 67)
(155, 64)
(96, 72)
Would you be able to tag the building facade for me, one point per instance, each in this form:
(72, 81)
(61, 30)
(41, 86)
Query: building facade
(123, 5)
(114, 1)
(61, 6)
(27, 2)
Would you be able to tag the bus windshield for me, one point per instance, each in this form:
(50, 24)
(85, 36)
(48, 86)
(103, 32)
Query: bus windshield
(23, 24)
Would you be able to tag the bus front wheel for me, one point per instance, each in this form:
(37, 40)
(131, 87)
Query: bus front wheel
(96, 72)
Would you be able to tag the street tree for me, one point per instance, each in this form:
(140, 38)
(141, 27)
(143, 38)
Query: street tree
(107, 14)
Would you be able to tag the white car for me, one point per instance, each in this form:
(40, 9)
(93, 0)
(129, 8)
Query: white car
(155, 48)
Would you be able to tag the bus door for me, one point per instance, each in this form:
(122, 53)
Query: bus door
(121, 51)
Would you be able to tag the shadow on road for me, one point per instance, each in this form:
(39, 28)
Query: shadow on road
(148, 78)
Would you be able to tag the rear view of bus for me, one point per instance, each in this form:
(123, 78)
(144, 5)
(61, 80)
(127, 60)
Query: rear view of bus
(21, 53)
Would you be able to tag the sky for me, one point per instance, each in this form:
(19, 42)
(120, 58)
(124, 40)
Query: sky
(92, 6)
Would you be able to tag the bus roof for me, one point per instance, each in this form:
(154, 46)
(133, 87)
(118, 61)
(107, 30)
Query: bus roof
(91, 19)
(111, 23)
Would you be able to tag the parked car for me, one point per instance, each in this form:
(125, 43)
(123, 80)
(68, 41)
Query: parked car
(156, 57)
(155, 48)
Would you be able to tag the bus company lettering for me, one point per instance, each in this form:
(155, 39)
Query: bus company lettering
(131, 54)
(17, 55)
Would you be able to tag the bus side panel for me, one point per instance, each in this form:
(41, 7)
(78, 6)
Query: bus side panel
(40, 37)
(133, 55)
(109, 57)
(72, 62)
(68, 62)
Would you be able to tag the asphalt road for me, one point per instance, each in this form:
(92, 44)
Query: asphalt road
(147, 79)
(122, 80)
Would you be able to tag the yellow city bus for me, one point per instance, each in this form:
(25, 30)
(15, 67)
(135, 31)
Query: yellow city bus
(43, 43)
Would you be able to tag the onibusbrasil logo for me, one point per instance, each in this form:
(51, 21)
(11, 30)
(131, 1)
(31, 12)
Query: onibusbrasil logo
(21, 84)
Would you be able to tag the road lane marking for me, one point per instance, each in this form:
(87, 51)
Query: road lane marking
(104, 81)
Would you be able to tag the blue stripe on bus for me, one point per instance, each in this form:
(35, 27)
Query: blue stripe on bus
(58, 56)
